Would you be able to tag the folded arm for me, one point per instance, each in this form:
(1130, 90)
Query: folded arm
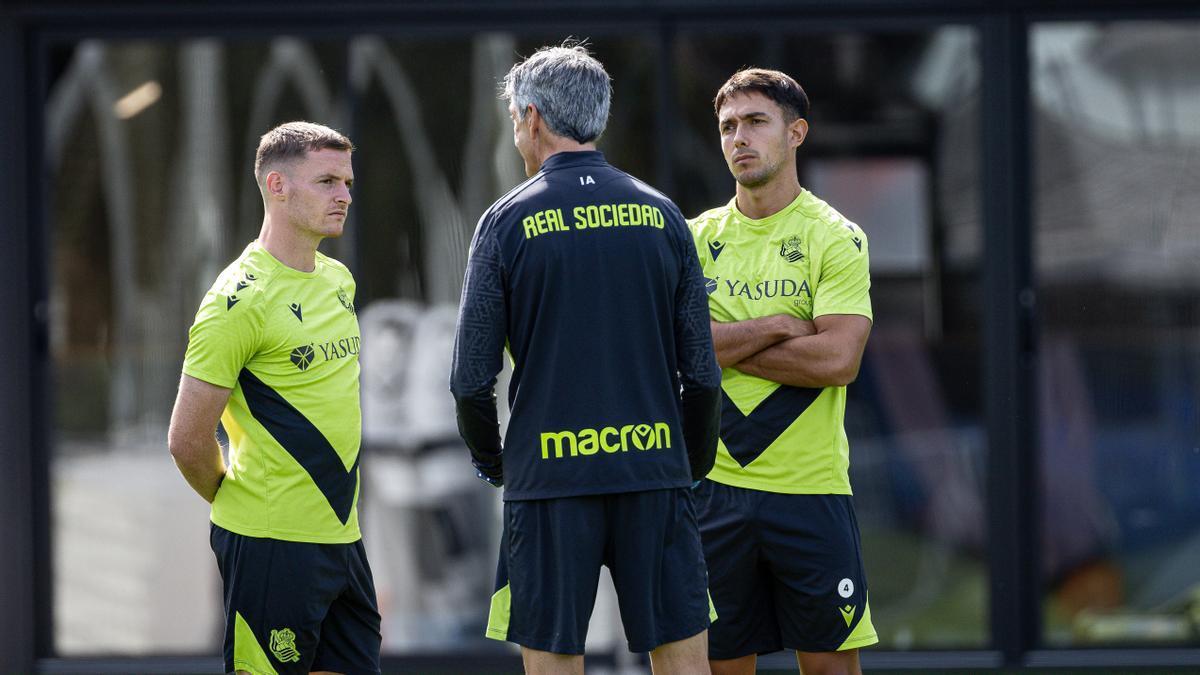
(830, 357)
(736, 341)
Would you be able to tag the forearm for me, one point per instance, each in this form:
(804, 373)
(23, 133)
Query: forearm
(701, 426)
(738, 340)
(479, 426)
(820, 360)
(478, 350)
(202, 466)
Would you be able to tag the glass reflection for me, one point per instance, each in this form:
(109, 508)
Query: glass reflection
(1117, 114)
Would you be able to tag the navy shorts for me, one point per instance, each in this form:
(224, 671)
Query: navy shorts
(785, 572)
(293, 607)
(550, 557)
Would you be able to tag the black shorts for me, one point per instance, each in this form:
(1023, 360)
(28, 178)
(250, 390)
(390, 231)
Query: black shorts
(294, 607)
(550, 557)
(785, 571)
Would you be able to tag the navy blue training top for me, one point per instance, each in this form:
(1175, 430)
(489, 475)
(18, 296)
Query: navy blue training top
(590, 278)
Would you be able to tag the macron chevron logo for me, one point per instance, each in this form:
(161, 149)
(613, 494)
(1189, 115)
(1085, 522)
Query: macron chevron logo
(715, 248)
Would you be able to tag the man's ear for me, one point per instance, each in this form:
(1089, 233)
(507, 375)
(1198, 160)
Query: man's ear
(533, 117)
(797, 132)
(275, 184)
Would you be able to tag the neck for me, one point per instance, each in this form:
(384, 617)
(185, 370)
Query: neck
(287, 245)
(769, 199)
(552, 145)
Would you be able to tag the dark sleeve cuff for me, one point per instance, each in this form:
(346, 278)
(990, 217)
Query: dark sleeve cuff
(480, 428)
(701, 427)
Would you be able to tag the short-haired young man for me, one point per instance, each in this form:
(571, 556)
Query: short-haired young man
(789, 283)
(590, 279)
(273, 354)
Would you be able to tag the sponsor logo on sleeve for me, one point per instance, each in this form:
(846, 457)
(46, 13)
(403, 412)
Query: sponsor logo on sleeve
(345, 300)
(232, 299)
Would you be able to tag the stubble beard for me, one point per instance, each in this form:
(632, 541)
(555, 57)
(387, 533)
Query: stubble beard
(757, 178)
(319, 226)
(334, 231)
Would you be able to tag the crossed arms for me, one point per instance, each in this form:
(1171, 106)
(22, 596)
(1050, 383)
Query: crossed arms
(824, 352)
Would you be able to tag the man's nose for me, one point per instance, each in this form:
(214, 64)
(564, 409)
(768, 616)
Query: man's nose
(739, 139)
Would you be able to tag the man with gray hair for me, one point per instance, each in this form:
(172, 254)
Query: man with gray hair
(590, 279)
(273, 354)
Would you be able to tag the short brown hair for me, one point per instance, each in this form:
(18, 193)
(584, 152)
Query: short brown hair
(773, 84)
(294, 140)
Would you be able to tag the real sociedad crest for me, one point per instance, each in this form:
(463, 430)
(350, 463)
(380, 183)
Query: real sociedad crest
(790, 250)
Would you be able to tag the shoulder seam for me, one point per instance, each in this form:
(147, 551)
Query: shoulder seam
(515, 192)
(333, 262)
(255, 299)
(832, 218)
(653, 190)
(710, 214)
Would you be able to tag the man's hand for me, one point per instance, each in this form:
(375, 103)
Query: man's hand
(492, 475)
(192, 436)
(494, 482)
(793, 326)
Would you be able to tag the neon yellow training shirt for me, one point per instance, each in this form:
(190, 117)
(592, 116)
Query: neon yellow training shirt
(286, 342)
(806, 260)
